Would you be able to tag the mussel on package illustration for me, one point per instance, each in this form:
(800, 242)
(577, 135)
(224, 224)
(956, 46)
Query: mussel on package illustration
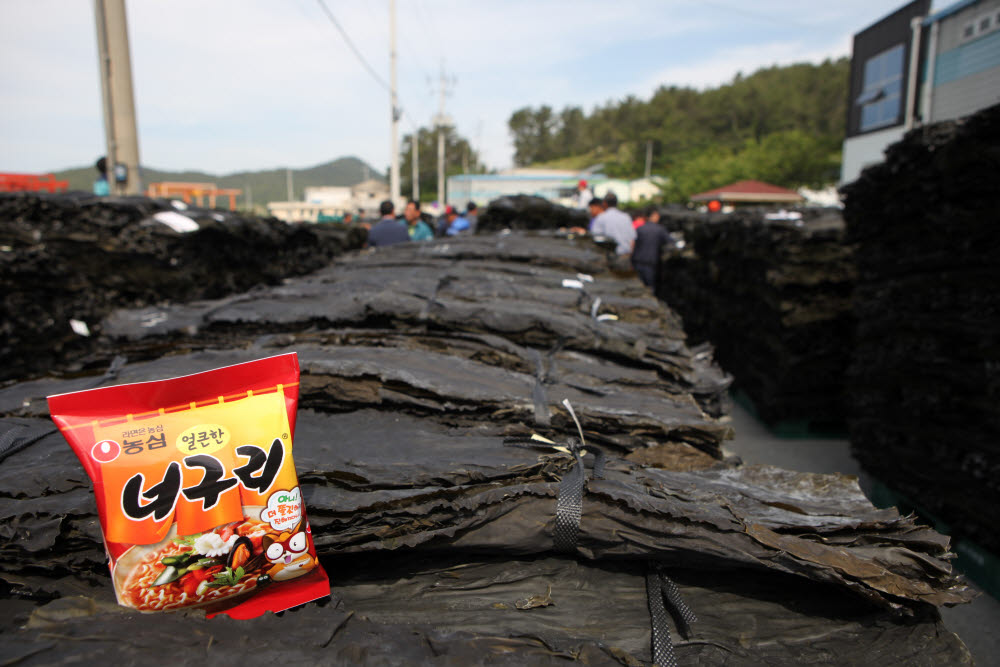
(196, 488)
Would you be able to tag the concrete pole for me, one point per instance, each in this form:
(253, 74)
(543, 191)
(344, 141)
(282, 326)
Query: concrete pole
(394, 164)
(415, 144)
(104, 68)
(116, 85)
(441, 164)
(288, 183)
(649, 157)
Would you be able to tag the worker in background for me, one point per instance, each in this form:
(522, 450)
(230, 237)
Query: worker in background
(101, 187)
(388, 230)
(638, 219)
(417, 228)
(472, 215)
(348, 218)
(583, 194)
(615, 224)
(594, 207)
(456, 224)
(649, 241)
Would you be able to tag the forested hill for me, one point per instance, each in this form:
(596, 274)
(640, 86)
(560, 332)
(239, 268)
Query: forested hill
(264, 186)
(784, 125)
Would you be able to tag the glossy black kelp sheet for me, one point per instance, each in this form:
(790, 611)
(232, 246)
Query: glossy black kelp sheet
(925, 373)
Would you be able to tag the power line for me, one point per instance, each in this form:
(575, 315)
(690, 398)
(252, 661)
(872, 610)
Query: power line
(371, 70)
(382, 82)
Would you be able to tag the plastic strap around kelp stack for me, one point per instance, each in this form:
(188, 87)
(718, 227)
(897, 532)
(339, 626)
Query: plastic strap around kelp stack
(569, 503)
(662, 593)
(20, 436)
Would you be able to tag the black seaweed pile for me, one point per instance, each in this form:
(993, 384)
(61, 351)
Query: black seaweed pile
(774, 298)
(443, 544)
(524, 212)
(77, 257)
(924, 381)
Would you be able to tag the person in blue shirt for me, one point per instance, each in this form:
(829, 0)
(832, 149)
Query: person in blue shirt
(101, 186)
(418, 229)
(388, 230)
(456, 224)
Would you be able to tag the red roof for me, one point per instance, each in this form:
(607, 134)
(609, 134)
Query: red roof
(749, 191)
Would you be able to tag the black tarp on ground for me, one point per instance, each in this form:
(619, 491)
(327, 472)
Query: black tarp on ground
(774, 297)
(924, 379)
(77, 256)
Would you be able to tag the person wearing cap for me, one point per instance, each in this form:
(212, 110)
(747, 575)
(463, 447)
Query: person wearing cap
(388, 230)
(615, 224)
(456, 224)
(583, 194)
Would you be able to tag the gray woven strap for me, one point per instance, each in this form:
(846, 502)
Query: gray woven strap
(569, 506)
(569, 503)
(660, 590)
(19, 436)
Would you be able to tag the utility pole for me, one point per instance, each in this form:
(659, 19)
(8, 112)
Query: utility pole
(414, 144)
(442, 121)
(649, 157)
(115, 66)
(394, 101)
(288, 183)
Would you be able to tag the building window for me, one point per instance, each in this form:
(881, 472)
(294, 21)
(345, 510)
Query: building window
(985, 23)
(880, 99)
(968, 30)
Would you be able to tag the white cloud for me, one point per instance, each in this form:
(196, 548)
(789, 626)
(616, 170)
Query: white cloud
(230, 85)
(723, 65)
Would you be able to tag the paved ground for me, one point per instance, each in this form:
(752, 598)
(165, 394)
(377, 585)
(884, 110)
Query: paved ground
(977, 623)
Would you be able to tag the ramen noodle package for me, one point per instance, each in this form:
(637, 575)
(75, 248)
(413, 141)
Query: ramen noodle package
(196, 488)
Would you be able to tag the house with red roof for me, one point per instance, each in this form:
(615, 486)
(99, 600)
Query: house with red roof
(749, 192)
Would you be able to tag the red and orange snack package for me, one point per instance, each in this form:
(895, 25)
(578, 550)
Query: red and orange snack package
(196, 488)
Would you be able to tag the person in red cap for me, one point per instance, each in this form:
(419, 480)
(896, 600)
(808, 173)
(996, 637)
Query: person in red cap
(453, 223)
(583, 194)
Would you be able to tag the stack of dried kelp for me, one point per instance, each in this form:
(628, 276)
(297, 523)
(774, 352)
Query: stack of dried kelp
(450, 538)
(446, 534)
(527, 212)
(925, 378)
(774, 297)
(75, 257)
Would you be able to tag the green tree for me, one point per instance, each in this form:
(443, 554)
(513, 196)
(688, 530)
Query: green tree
(459, 158)
(736, 118)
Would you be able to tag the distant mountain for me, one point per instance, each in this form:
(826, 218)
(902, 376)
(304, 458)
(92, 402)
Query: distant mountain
(264, 186)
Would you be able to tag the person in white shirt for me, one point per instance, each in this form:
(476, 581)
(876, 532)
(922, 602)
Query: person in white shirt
(583, 194)
(615, 224)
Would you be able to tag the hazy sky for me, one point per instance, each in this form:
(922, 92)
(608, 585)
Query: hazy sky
(233, 85)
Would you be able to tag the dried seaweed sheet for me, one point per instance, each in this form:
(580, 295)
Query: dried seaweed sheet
(418, 362)
(75, 256)
(925, 371)
(522, 212)
(774, 297)
(429, 487)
